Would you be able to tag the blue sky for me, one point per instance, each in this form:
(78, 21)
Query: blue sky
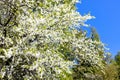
(107, 21)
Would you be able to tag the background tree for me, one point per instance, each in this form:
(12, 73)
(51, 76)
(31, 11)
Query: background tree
(111, 71)
(94, 34)
(117, 59)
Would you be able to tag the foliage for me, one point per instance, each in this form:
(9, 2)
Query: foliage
(117, 59)
(38, 41)
(111, 72)
(94, 34)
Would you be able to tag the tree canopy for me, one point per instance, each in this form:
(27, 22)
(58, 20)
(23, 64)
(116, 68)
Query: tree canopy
(39, 41)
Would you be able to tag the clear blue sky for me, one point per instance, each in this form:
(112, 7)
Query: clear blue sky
(107, 21)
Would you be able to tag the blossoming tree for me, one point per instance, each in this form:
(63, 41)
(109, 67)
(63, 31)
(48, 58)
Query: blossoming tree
(39, 41)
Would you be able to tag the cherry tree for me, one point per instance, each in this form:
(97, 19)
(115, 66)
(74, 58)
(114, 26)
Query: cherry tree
(38, 40)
